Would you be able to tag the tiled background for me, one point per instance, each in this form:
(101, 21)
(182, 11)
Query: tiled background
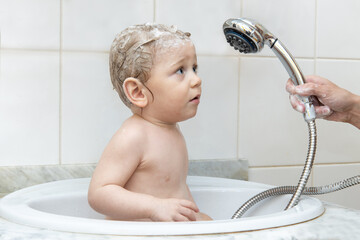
(57, 105)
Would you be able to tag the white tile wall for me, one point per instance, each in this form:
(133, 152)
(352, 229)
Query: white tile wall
(91, 110)
(31, 24)
(338, 33)
(93, 24)
(29, 108)
(203, 19)
(270, 132)
(292, 21)
(278, 176)
(211, 135)
(57, 105)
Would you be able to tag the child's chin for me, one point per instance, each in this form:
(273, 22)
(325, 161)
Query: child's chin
(187, 115)
(191, 115)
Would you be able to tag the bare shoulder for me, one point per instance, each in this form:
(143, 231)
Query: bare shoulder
(131, 134)
(131, 137)
(122, 155)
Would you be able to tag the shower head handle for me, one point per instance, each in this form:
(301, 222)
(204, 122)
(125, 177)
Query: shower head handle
(296, 76)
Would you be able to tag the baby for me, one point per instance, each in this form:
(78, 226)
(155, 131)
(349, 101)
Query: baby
(142, 172)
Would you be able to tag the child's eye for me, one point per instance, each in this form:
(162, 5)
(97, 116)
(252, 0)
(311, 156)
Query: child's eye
(195, 69)
(180, 71)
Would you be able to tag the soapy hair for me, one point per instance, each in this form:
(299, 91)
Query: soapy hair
(133, 52)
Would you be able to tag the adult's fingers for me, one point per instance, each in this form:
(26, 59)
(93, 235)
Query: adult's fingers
(296, 104)
(323, 111)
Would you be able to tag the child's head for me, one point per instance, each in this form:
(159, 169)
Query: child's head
(135, 49)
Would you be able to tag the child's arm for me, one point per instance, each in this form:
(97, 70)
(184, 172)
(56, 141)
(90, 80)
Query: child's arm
(108, 196)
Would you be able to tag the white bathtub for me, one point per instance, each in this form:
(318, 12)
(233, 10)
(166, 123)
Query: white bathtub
(63, 206)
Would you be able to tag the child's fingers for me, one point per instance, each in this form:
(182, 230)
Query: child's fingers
(181, 218)
(188, 210)
(188, 213)
(189, 204)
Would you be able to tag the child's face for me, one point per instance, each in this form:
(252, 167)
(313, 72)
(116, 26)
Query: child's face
(175, 85)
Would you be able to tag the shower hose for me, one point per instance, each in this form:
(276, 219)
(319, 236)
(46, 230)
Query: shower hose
(300, 188)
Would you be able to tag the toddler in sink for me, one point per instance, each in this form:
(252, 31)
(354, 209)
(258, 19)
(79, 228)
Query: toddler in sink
(142, 172)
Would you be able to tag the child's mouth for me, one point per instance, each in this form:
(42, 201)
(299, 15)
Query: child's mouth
(196, 99)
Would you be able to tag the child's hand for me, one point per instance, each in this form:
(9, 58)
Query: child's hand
(174, 210)
(202, 217)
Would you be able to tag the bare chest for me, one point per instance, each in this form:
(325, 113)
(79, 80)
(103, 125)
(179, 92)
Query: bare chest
(163, 168)
(168, 157)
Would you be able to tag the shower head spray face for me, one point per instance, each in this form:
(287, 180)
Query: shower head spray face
(248, 36)
(240, 42)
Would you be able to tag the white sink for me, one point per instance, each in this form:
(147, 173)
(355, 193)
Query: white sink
(63, 206)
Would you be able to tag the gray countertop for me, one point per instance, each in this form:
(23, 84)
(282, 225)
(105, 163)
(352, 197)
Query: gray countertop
(336, 223)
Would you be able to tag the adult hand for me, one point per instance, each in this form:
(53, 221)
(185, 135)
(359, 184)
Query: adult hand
(336, 104)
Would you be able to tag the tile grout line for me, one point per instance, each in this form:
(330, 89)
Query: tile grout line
(242, 8)
(0, 59)
(60, 84)
(238, 96)
(315, 37)
(238, 111)
(200, 54)
(154, 10)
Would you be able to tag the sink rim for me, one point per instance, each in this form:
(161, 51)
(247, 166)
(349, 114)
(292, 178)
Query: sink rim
(15, 207)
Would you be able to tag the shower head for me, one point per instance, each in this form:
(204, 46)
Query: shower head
(248, 36)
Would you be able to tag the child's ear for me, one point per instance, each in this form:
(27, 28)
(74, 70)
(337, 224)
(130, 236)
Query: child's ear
(135, 92)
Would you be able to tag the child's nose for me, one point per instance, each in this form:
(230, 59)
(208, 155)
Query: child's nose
(195, 81)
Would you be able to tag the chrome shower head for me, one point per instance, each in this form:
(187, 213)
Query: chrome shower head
(248, 36)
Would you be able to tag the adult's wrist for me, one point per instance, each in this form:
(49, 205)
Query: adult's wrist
(355, 112)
